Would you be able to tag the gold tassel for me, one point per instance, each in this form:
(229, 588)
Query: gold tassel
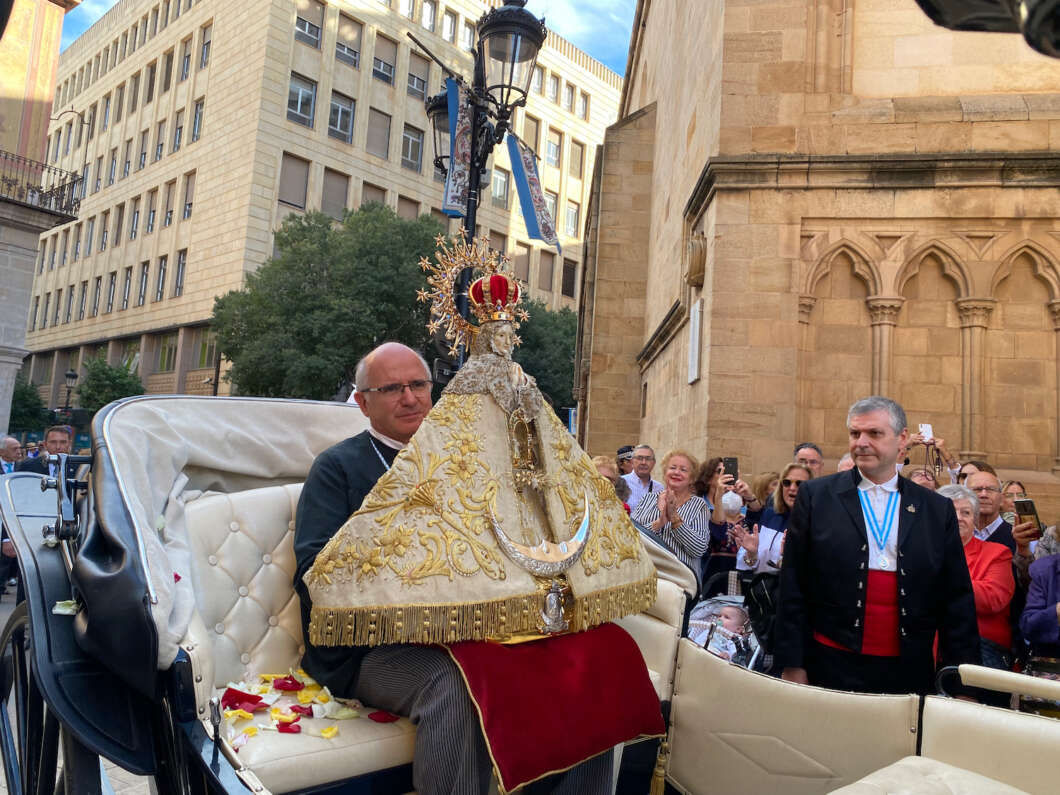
(658, 776)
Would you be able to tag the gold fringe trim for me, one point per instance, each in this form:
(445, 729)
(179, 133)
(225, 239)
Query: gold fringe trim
(452, 623)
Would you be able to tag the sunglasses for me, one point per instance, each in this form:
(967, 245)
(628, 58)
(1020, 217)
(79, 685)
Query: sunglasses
(787, 483)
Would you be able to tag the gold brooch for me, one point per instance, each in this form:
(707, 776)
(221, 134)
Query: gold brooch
(911, 508)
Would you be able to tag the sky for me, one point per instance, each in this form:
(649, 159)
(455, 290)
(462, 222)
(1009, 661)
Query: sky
(599, 27)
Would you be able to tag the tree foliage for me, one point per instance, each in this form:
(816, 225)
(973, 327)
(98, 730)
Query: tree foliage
(547, 351)
(304, 319)
(104, 383)
(28, 412)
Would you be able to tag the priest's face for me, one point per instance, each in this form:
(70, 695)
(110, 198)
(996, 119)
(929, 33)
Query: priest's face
(395, 413)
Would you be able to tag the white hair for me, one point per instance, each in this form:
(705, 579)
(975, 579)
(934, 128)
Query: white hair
(879, 403)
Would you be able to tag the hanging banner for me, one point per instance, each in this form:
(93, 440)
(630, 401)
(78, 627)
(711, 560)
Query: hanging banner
(539, 224)
(454, 202)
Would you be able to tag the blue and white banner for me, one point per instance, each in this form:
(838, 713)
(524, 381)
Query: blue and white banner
(454, 201)
(539, 224)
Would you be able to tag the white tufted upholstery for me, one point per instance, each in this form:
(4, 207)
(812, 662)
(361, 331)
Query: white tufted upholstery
(248, 623)
(923, 776)
(657, 631)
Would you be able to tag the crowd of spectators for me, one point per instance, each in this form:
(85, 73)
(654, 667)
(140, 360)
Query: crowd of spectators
(717, 521)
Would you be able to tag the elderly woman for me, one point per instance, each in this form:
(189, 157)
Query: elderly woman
(676, 514)
(990, 567)
(762, 547)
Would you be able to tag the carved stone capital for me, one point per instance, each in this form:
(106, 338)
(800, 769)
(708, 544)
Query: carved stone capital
(975, 312)
(806, 305)
(1054, 310)
(883, 309)
(696, 259)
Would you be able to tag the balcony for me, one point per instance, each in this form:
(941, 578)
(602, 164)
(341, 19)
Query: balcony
(39, 185)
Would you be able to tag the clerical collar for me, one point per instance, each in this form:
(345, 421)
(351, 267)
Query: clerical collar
(865, 484)
(393, 444)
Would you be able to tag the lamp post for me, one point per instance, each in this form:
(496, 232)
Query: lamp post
(509, 39)
(84, 161)
(71, 382)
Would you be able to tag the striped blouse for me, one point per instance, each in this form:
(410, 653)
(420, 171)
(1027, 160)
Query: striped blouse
(690, 539)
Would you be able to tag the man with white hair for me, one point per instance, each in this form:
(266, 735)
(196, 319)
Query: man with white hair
(10, 454)
(873, 570)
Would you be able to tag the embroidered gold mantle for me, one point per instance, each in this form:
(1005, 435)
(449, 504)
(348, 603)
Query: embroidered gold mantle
(420, 563)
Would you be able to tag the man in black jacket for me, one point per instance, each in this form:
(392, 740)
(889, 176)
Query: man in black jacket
(56, 440)
(873, 569)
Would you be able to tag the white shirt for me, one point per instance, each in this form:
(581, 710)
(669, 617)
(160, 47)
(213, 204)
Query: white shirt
(393, 444)
(986, 532)
(637, 490)
(7, 467)
(878, 495)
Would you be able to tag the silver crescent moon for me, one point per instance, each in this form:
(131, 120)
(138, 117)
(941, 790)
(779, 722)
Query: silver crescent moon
(547, 559)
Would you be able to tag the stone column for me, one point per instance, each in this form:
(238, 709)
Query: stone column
(975, 316)
(883, 312)
(1054, 309)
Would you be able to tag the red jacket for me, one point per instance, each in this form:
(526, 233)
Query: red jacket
(990, 567)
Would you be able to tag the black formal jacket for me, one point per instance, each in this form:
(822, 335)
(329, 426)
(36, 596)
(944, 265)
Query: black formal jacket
(337, 484)
(825, 572)
(39, 465)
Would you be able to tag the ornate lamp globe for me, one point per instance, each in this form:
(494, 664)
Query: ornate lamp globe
(438, 113)
(509, 39)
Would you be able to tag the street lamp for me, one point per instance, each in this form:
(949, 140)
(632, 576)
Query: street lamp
(71, 382)
(509, 39)
(81, 118)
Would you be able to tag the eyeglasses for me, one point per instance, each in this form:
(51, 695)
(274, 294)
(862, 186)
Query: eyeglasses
(643, 458)
(787, 483)
(418, 387)
(987, 489)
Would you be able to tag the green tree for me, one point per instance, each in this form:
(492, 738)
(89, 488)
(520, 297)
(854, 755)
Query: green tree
(547, 351)
(28, 412)
(104, 383)
(334, 291)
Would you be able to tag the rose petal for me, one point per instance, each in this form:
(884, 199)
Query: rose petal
(382, 717)
(288, 728)
(329, 732)
(237, 698)
(287, 683)
(302, 710)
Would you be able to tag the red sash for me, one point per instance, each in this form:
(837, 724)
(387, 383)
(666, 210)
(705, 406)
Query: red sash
(547, 705)
(880, 638)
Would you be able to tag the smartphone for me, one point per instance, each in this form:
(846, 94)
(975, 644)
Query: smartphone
(730, 466)
(1026, 512)
(927, 432)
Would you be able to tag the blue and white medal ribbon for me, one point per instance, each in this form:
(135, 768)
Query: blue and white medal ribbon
(880, 532)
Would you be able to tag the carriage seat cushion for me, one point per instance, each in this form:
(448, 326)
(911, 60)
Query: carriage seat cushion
(657, 631)
(919, 775)
(249, 622)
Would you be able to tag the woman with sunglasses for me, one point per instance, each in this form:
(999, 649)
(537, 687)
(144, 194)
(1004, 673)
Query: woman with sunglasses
(762, 547)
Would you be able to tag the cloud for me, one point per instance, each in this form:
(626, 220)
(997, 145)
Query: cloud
(600, 27)
(82, 18)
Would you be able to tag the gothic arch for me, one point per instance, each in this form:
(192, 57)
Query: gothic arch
(1044, 267)
(951, 266)
(863, 267)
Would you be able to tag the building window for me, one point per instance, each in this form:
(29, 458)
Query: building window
(348, 45)
(407, 8)
(544, 271)
(308, 23)
(119, 106)
(573, 218)
(143, 149)
(196, 119)
(178, 130)
(531, 131)
(294, 179)
(419, 72)
(185, 59)
(97, 293)
(68, 315)
(66, 246)
(77, 242)
(412, 148)
(428, 14)
(568, 97)
(521, 262)
(33, 314)
(167, 353)
(112, 286)
(333, 199)
(577, 156)
(119, 218)
(134, 221)
(189, 194)
(178, 279)
(570, 277)
(160, 140)
(134, 92)
(207, 349)
(126, 289)
(149, 84)
(160, 282)
(84, 180)
(467, 36)
(126, 161)
(499, 188)
(301, 100)
(553, 88)
(44, 314)
(112, 171)
(553, 147)
(204, 53)
(104, 229)
(141, 293)
(449, 26)
(82, 300)
(167, 219)
(149, 227)
(372, 193)
(378, 142)
(407, 208)
(340, 120)
(102, 125)
(384, 60)
(537, 83)
(90, 230)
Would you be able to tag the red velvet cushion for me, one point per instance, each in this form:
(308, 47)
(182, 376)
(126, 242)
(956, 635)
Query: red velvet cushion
(547, 705)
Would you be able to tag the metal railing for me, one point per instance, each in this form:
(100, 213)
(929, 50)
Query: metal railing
(38, 185)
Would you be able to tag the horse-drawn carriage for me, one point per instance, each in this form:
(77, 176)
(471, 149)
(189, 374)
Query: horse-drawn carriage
(167, 579)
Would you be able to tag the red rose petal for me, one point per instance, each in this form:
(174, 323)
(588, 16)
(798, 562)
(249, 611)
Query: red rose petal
(236, 699)
(176, 577)
(289, 728)
(382, 717)
(253, 706)
(287, 683)
(302, 710)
